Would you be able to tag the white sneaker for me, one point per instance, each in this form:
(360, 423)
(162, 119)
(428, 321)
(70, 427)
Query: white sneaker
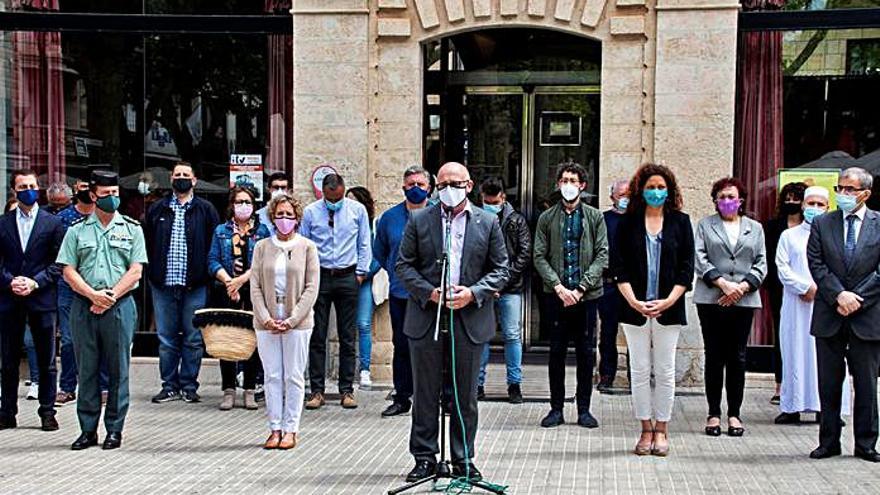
(366, 382)
(33, 391)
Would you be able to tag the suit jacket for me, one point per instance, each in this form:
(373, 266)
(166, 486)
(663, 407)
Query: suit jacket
(832, 275)
(629, 263)
(36, 262)
(744, 262)
(483, 270)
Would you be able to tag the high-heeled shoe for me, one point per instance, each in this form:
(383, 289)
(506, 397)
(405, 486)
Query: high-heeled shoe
(660, 449)
(644, 448)
(713, 431)
(273, 441)
(735, 431)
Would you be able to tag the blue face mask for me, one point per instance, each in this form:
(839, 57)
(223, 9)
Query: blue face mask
(655, 197)
(622, 203)
(846, 203)
(334, 207)
(494, 209)
(811, 212)
(416, 195)
(27, 197)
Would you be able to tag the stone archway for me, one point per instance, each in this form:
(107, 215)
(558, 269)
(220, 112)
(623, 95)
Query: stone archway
(668, 87)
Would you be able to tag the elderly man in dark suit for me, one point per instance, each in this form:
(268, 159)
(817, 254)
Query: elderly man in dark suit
(29, 241)
(845, 263)
(477, 271)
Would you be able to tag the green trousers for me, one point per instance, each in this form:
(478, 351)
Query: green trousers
(104, 337)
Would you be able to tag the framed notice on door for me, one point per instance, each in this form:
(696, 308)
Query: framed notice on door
(560, 129)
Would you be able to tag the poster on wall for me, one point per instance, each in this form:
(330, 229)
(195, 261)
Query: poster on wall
(825, 177)
(560, 129)
(247, 170)
(318, 178)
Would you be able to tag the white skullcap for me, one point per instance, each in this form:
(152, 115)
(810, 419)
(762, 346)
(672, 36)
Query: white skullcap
(816, 191)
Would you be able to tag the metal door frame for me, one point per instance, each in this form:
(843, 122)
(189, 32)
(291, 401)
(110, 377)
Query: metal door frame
(527, 154)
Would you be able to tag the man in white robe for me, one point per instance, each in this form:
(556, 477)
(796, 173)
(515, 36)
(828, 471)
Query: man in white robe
(800, 382)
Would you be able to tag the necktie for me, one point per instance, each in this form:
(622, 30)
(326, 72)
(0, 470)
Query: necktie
(849, 246)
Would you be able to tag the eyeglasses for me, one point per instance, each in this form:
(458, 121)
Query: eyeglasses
(569, 181)
(460, 184)
(242, 202)
(284, 215)
(849, 190)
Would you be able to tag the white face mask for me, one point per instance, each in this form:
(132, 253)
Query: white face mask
(277, 192)
(452, 196)
(143, 188)
(570, 192)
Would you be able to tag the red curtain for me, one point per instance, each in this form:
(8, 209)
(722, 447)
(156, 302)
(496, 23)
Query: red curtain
(758, 131)
(38, 97)
(279, 151)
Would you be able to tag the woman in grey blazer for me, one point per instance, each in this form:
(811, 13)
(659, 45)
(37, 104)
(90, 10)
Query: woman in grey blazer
(731, 263)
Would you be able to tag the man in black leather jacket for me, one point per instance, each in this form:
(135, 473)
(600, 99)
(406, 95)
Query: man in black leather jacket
(508, 302)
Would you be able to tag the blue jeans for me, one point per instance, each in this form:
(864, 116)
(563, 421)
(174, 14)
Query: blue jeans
(31, 356)
(509, 308)
(68, 376)
(365, 324)
(180, 343)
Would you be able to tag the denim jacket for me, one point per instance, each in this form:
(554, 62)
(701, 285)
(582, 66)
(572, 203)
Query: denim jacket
(220, 255)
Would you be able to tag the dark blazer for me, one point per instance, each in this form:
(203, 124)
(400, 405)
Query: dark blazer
(201, 219)
(483, 270)
(629, 263)
(36, 262)
(832, 276)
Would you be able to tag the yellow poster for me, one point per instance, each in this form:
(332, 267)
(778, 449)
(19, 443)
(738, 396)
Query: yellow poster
(825, 177)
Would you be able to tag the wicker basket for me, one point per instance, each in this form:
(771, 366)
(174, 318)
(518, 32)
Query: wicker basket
(228, 333)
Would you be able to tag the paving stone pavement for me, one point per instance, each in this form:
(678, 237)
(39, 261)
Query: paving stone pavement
(196, 449)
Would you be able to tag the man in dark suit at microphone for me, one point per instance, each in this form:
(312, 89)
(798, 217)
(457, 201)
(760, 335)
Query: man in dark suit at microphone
(477, 271)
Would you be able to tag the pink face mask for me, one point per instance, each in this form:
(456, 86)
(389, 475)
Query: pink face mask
(285, 225)
(243, 212)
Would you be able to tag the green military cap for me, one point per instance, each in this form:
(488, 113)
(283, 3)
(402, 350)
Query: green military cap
(104, 178)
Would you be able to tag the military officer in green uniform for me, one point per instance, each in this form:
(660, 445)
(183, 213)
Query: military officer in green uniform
(103, 257)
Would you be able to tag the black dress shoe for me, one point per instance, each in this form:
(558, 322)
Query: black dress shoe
(481, 392)
(7, 423)
(48, 423)
(587, 420)
(867, 455)
(514, 394)
(713, 431)
(466, 469)
(788, 419)
(553, 418)
(396, 409)
(85, 440)
(422, 470)
(735, 431)
(824, 452)
(112, 441)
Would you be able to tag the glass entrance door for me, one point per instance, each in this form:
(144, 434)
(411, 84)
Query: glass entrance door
(522, 135)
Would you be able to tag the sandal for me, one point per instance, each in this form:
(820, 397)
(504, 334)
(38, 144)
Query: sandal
(273, 441)
(713, 431)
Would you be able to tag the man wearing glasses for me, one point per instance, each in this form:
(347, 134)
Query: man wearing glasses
(340, 228)
(844, 260)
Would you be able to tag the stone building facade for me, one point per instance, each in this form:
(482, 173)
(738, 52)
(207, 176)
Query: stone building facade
(667, 94)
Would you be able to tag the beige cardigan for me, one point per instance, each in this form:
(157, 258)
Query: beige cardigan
(303, 280)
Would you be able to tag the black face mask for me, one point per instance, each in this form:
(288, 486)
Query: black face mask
(790, 208)
(182, 185)
(84, 197)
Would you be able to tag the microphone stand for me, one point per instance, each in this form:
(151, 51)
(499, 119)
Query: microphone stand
(441, 333)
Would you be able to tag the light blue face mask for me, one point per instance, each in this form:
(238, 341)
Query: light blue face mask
(655, 197)
(494, 209)
(334, 207)
(811, 212)
(622, 203)
(846, 203)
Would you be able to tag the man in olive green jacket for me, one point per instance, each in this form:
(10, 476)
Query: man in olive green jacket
(571, 252)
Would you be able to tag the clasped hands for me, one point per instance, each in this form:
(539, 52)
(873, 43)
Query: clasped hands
(652, 309)
(277, 326)
(733, 291)
(22, 286)
(459, 296)
(848, 303)
(568, 297)
(102, 300)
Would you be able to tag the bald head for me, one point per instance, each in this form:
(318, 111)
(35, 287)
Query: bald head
(453, 172)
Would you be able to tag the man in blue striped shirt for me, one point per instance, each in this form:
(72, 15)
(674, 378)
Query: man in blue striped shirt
(340, 228)
(389, 232)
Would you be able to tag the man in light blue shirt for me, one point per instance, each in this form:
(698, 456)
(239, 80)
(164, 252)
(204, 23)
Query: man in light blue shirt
(340, 228)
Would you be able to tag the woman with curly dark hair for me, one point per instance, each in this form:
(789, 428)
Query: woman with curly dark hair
(789, 214)
(731, 265)
(653, 266)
